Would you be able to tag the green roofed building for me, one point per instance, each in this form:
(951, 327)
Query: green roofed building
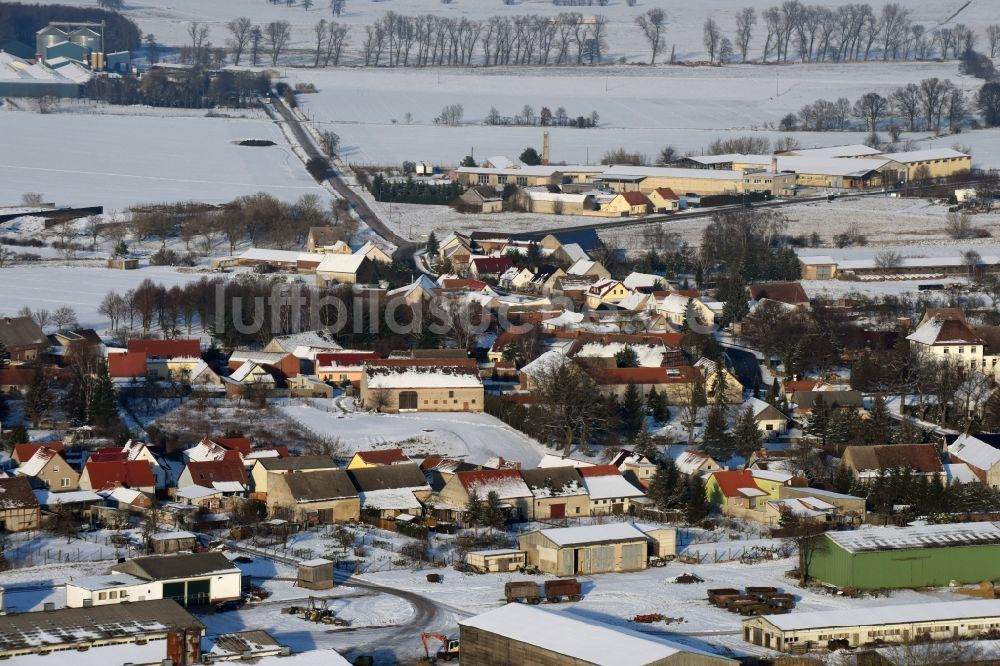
(907, 557)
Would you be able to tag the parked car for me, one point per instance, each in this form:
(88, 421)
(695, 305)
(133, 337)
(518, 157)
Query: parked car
(230, 605)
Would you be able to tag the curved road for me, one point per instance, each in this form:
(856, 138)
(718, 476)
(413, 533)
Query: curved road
(405, 246)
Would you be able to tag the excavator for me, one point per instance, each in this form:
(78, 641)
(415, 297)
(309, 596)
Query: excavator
(448, 651)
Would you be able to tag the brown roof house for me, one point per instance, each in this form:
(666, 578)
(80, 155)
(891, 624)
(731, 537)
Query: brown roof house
(867, 462)
(19, 509)
(515, 496)
(23, 338)
(391, 490)
(47, 469)
(479, 199)
(424, 385)
(320, 497)
(789, 293)
(378, 458)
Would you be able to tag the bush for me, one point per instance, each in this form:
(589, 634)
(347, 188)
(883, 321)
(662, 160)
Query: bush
(318, 167)
(412, 530)
(165, 257)
(416, 550)
(21, 242)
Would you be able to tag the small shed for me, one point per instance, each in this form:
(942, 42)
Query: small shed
(590, 549)
(316, 574)
(166, 543)
(663, 540)
(494, 561)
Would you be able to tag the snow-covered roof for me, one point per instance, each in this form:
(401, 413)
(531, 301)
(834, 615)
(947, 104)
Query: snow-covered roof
(278, 256)
(578, 637)
(340, 263)
(421, 377)
(171, 536)
(771, 475)
(580, 267)
(924, 155)
(506, 483)
(105, 582)
(817, 260)
(918, 536)
(565, 318)
(584, 534)
(500, 162)
(850, 150)
(830, 166)
(670, 172)
(228, 486)
(49, 498)
(804, 507)
(564, 197)
(731, 157)
(864, 616)
(636, 280)
(940, 331)
(959, 473)
(690, 462)
(37, 462)
(545, 363)
(973, 451)
(550, 460)
(121, 494)
(610, 486)
(649, 356)
(543, 171)
(196, 492)
(751, 492)
(391, 498)
(245, 371)
(674, 303)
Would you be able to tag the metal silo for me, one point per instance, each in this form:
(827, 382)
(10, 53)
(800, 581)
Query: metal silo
(48, 36)
(87, 38)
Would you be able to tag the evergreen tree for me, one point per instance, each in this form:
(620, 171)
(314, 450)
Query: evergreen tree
(632, 409)
(4, 356)
(734, 297)
(878, 428)
(818, 424)
(493, 513)
(842, 479)
(432, 245)
(664, 485)
(656, 404)
(773, 394)
(908, 433)
(716, 440)
(644, 445)
(696, 509)
(474, 509)
(746, 436)
(4, 407)
(102, 410)
(468, 161)
(530, 157)
(18, 434)
(38, 398)
(74, 398)
(846, 427)
(627, 358)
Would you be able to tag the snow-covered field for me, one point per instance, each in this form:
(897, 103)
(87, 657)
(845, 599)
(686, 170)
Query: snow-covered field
(640, 108)
(168, 19)
(476, 437)
(82, 159)
(47, 286)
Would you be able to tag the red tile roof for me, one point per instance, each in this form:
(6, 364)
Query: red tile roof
(490, 265)
(119, 456)
(488, 476)
(635, 198)
(384, 457)
(783, 292)
(461, 283)
(598, 470)
(130, 474)
(241, 444)
(731, 481)
(345, 359)
(166, 349)
(205, 473)
(801, 385)
(667, 193)
(16, 376)
(424, 363)
(615, 376)
(23, 452)
(127, 365)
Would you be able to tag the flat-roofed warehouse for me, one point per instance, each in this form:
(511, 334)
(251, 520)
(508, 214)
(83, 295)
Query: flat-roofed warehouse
(624, 178)
(908, 557)
(520, 634)
(137, 632)
(859, 625)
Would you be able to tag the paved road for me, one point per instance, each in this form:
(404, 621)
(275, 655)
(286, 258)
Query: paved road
(336, 180)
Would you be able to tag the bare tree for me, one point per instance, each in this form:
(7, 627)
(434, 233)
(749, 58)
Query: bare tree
(888, 259)
(64, 317)
(276, 36)
(653, 24)
(330, 141)
(241, 31)
(31, 199)
(906, 103)
(41, 316)
(256, 37)
(321, 39)
(871, 108)
(712, 35)
(745, 21)
(958, 226)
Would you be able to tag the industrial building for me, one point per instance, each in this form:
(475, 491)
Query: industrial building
(860, 625)
(143, 632)
(522, 634)
(191, 579)
(908, 557)
(589, 549)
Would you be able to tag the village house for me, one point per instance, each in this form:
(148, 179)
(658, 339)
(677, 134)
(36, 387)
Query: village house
(664, 200)
(588, 268)
(344, 269)
(19, 510)
(480, 199)
(770, 421)
(695, 463)
(606, 291)
(489, 267)
(227, 476)
(22, 453)
(390, 490)
(868, 462)
(674, 383)
(284, 363)
(425, 385)
(835, 400)
(678, 308)
(950, 339)
(326, 240)
(789, 293)
(264, 469)
(317, 497)
(47, 469)
(165, 349)
(15, 380)
(374, 253)
(588, 549)
(628, 204)
(190, 579)
(127, 366)
(610, 493)
(23, 338)
(134, 474)
(557, 492)
(343, 366)
(515, 496)
(127, 499)
(635, 467)
(249, 379)
(981, 452)
(378, 458)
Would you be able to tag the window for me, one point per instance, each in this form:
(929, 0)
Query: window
(522, 180)
(123, 594)
(451, 394)
(769, 426)
(484, 179)
(55, 468)
(502, 180)
(64, 483)
(101, 596)
(113, 594)
(972, 349)
(961, 350)
(944, 351)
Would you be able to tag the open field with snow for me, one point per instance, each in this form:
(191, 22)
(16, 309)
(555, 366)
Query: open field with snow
(641, 109)
(84, 160)
(475, 437)
(168, 19)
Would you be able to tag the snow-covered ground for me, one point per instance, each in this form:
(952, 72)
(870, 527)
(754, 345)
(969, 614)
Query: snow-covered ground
(168, 20)
(475, 437)
(640, 108)
(83, 159)
(82, 287)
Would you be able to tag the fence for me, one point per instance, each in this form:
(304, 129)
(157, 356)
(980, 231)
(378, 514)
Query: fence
(32, 549)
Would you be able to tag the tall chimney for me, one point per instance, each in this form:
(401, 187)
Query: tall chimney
(774, 164)
(545, 148)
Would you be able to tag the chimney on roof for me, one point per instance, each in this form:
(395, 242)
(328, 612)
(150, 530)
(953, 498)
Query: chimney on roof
(545, 148)
(774, 164)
